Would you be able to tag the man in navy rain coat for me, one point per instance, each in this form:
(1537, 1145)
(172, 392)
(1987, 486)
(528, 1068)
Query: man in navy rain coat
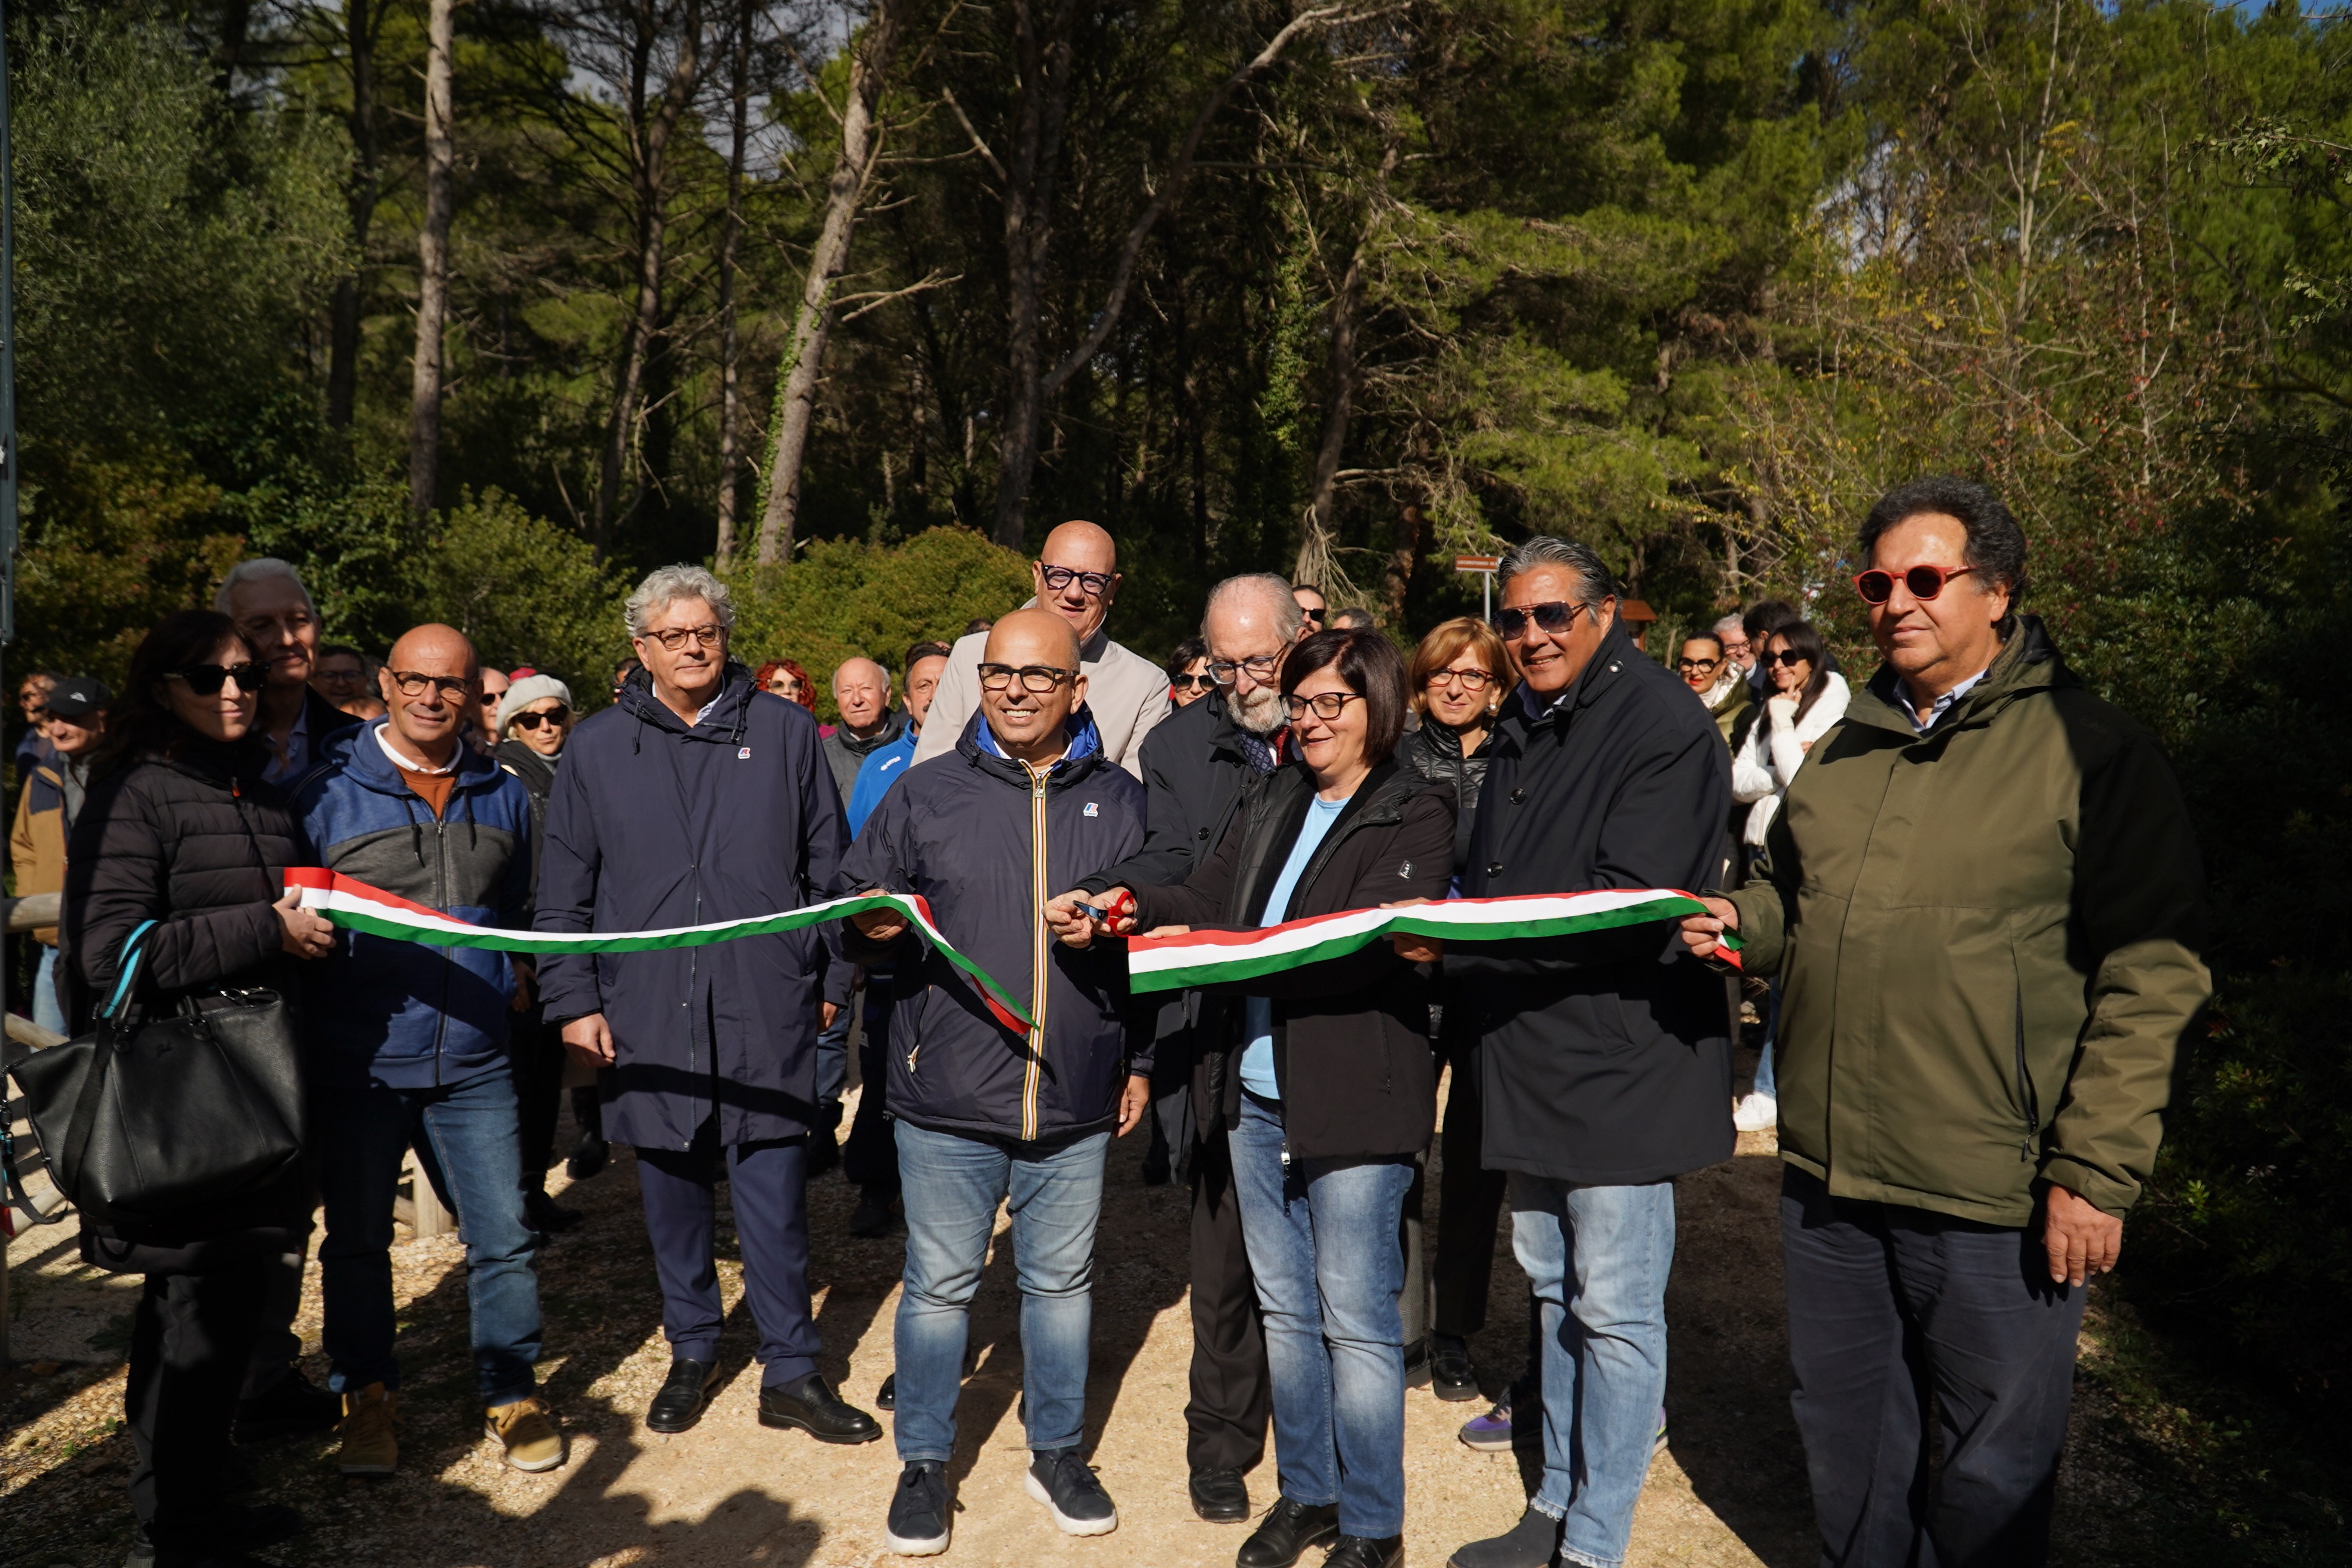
(695, 799)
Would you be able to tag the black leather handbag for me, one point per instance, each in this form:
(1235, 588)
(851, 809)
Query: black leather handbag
(146, 1117)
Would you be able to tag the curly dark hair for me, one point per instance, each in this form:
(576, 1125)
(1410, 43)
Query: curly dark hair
(1996, 545)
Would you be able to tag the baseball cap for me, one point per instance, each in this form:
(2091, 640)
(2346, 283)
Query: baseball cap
(77, 697)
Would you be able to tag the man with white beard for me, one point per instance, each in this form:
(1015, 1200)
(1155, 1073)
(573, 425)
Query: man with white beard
(1194, 764)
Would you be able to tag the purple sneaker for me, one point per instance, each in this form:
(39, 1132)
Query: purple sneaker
(1491, 1432)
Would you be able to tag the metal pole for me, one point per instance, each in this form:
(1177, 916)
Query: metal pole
(1485, 579)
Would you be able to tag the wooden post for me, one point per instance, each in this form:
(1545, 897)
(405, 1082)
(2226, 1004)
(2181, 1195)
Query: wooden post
(422, 1209)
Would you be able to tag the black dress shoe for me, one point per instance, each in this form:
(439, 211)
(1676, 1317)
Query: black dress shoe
(811, 1405)
(588, 1157)
(1289, 1530)
(678, 1405)
(545, 1215)
(1452, 1373)
(1221, 1497)
(293, 1403)
(1416, 1363)
(1362, 1551)
(887, 1396)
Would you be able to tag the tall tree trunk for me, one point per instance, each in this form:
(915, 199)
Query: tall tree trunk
(361, 192)
(1338, 400)
(650, 176)
(432, 263)
(731, 391)
(852, 169)
(1028, 230)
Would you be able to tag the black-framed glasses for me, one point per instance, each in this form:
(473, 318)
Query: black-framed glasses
(708, 634)
(533, 721)
(1471, 679)
(1261, 668)
(1555, 617)
(207, 679)
(1037, 677)
(1325, 705)
(453, 687)
(1094, 584)
(1924, 582)
(1701, 665)
(1788, 658)
(1201, 682)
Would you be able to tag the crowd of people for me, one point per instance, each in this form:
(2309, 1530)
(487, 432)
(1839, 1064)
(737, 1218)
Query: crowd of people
(1963, 897)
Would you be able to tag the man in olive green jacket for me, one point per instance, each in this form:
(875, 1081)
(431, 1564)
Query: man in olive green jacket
(1986, 910)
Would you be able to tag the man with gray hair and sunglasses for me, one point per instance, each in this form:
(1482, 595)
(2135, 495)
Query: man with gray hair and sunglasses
(697, 798)
(1606, 1057)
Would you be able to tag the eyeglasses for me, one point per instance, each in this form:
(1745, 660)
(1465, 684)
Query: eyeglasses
(1788, 658)
(1325, 705)
(207, 679)
(1700, 664)
(1201, 682)
(1038, 678)
(674, 638)
(1471, 679)
(533, 721)
(1093, 583)
(1555, 616)
(1924, 582)
(452, 687)
(1261, 668)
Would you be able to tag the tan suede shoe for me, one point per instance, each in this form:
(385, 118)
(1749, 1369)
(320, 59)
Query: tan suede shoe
(369, 1444)
(528, 1432)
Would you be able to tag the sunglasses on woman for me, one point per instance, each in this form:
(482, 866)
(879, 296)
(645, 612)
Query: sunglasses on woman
(1201, 682)
(1788, 658)
(533, 721)
(1922, 582)
(207, 679)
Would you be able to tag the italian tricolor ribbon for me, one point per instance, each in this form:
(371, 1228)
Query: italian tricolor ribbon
(354, 905)
(1209, 957)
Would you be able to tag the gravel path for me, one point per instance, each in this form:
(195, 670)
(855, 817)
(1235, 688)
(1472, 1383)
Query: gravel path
(1729, 1489)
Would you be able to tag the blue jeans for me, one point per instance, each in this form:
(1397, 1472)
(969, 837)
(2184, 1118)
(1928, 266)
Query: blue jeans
(1323, 1245)
(47, 1011)
(951, 1186)
(465, 1140)
(832, 1054)
(1598, 1258)
(1766, 1079)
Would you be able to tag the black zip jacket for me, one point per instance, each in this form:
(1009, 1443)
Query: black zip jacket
(197, 841)
(1350, 1035)
(987, 843)
(1605, 1056)
(1434, 752)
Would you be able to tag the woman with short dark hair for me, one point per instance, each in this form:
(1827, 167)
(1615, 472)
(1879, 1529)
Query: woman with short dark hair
(1326, 1085)
(180, 829)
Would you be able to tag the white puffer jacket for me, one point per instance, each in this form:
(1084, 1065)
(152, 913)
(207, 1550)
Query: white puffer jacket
(1770, 755)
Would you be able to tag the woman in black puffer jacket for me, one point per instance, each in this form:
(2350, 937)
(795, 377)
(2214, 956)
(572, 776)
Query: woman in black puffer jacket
(1457, 678)
(180, 829)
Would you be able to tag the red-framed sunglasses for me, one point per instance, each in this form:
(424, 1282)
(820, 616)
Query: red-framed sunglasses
(1924, 582)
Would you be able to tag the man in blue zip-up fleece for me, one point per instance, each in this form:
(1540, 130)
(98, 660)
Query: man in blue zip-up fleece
(407, 1045)
(987, 1112)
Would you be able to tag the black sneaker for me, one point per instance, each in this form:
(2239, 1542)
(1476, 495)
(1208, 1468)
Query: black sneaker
(1061, 1479)
(1289, 1528)
(1530, 1543)
(293, 1403)
(921, 1513)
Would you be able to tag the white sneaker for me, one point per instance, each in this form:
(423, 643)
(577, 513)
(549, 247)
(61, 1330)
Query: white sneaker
(1755, 1113)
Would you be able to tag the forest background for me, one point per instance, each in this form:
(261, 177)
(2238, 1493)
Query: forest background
(477, 310)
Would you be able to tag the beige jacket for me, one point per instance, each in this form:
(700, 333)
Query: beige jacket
(1127, 693)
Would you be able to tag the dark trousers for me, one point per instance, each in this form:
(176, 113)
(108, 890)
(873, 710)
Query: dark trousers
(1469, 1203)
(1894, 1311)
(276, 1346)
(1233, 1391)
(191, 1340)
(870, 1157)
(537, 1052)
(767, 1184)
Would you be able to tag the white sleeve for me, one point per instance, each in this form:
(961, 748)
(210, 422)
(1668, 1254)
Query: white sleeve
(1752, 774)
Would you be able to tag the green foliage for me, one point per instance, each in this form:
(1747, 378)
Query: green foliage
(848, 597)
(525, 591)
